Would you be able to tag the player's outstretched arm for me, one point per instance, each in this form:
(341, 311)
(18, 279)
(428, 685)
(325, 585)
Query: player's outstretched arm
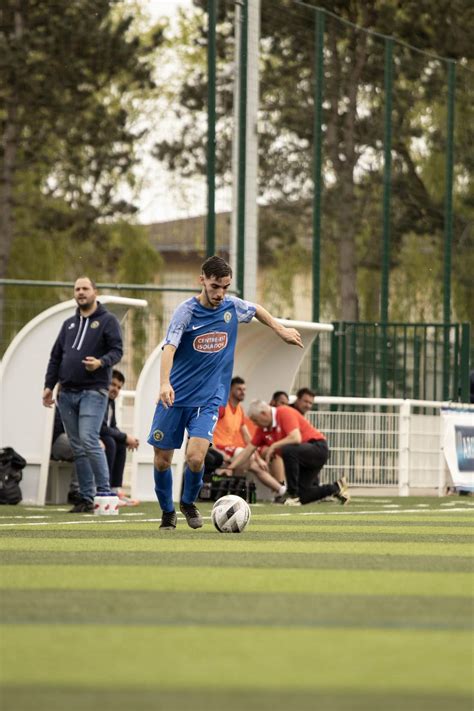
(289, 335)
(166, 390)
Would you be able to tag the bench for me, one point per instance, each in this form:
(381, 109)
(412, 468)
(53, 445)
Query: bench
(59, 479)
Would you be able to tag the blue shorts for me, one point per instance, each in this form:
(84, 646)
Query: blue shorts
(169, 424)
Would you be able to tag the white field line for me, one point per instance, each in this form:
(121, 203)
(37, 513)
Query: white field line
(91, 518)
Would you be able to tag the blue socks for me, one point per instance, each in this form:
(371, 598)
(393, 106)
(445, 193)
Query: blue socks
(192, 485)
(164, 489)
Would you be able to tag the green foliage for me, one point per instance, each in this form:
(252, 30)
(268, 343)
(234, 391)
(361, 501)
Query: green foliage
(353, 127)
(279, 281)
(137, 262)
(72, 77)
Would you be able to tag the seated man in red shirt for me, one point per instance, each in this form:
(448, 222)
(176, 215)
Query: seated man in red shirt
(283, 430)
(234, 431)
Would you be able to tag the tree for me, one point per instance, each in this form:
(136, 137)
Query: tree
(353, 126)
(69, 74)
(119, 253)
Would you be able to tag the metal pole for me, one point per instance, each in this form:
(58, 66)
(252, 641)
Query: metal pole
(100, 285)
(317, 182)
(242, 129)
(464, 367)
(387, 178)
(211, 130)
(448, 222)
(387, 190)
(235, 142)
(251, 151)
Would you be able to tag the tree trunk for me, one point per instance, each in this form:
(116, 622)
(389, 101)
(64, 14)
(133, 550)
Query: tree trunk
(341, 141)
(347, 250)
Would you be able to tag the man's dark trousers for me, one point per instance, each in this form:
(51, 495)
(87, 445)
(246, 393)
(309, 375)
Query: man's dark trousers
(303, 464)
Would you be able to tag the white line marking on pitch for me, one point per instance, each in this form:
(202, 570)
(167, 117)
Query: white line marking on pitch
(91, 518)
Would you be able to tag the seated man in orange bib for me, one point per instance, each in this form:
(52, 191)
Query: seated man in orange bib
(234, 431)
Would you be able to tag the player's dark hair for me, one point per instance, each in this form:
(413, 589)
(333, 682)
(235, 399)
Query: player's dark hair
(237, 381)
(278, 393)
(118, 376)
(216, 267)
(305, 391)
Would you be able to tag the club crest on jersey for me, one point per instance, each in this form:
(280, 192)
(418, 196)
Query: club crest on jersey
(227, 316)
(210, 342)
(95, 324)
(158, 435)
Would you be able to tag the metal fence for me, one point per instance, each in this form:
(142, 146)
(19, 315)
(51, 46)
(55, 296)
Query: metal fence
(428, 361)
(383, 443)
(398, 360)
(387, 444)
(362, 168)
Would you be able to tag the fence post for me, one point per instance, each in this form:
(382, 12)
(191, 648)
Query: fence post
(242, 150)
(404, 448)
(335, 359)
(464, 369)
(441, 461)
(317, 182)
(387, 178)
(211, 129)
(448, 222)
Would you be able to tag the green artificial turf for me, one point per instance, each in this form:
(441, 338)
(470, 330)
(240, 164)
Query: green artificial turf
(319, 607)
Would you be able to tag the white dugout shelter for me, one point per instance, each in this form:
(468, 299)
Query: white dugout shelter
(264, 361)
(25, 424)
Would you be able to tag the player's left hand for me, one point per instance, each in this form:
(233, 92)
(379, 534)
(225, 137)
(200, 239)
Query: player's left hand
(291, 336)
(92, 363)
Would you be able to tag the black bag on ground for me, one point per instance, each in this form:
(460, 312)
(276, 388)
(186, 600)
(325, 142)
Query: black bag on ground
(11, 464)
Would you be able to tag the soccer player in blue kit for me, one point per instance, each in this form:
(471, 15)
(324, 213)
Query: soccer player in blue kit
(195, 375)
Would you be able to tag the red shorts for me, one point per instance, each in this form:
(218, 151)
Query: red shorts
(229, 450)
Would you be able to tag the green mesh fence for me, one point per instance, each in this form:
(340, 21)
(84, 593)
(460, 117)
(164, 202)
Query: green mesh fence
(364, 190)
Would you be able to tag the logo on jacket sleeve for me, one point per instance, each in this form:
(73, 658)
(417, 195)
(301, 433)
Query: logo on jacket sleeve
(210, 342)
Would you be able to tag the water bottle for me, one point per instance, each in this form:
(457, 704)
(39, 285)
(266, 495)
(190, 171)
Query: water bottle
(205, 493)
(252, 495)
(242, 492)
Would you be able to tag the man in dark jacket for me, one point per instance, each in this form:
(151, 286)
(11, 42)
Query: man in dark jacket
(116, 442)
(88, 345)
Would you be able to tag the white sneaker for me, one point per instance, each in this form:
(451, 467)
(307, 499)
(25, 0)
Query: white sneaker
(342, 495)
(292, 501)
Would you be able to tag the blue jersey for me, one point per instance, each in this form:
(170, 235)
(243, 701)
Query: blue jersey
(205, 341)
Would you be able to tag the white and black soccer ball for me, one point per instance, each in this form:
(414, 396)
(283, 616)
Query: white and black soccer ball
(230, 514)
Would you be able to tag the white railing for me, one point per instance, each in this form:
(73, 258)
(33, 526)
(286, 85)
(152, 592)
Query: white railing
(386, 444)
(374, 442)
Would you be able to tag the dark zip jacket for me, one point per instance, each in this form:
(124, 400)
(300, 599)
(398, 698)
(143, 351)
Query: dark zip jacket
(97, 335)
